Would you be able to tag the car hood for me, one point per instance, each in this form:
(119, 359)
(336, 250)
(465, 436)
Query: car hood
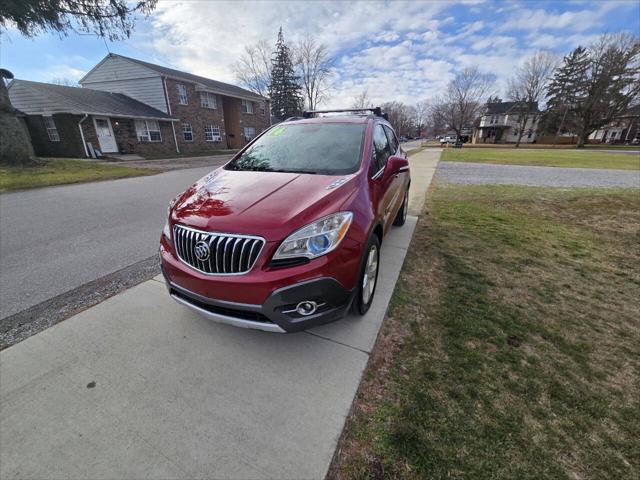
(269, 204)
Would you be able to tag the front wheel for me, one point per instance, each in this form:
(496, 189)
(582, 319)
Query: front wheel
(368, 277)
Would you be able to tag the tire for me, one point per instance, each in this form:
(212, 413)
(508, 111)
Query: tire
(365, 289)
(401, 216)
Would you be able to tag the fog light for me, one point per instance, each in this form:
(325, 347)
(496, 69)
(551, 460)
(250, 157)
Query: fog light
(307, 307)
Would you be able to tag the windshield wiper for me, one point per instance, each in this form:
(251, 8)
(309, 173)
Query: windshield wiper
(282, 170)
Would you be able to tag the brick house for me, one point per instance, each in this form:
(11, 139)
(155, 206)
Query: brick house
(212, 114)
(81, 122)
(499, 123)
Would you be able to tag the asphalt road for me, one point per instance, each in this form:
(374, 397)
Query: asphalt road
(481, 173)
(55, 239)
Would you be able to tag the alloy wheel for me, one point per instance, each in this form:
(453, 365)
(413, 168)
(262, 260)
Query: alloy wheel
(370, 275)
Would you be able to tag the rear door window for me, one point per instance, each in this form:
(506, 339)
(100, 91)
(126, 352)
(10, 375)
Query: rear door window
(393, 140)
(381, 149)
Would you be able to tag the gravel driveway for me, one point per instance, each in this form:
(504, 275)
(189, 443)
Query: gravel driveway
(482, 173)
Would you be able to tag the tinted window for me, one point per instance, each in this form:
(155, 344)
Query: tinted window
(325, 148)
(381, 149)
(393, 141)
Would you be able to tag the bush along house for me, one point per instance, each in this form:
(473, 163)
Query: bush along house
(128, 106)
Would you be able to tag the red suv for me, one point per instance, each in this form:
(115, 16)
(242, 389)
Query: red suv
(287, 235)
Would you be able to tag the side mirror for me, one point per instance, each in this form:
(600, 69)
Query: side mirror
(397, 165)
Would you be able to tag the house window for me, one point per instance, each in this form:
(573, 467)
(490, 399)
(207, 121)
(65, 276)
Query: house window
(212, 133)
(247, 106)
(249, 133)
(52, 131)
(263, 108)
(208, 100)
(182, 94)
(530, 134)
(148, 131)
(187, 132)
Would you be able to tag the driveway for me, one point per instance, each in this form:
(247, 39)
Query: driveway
(141, 387)
(482, 173)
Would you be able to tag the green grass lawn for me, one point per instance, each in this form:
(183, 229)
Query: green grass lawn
(544, 158)
(60, 171)
(512, 345)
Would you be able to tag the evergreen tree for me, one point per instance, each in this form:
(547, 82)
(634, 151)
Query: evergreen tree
(565, 89)
(284, 90)
(596, 85)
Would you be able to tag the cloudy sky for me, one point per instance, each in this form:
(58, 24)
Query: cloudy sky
(403, 51)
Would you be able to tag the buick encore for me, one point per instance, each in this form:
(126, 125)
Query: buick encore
(287, 234)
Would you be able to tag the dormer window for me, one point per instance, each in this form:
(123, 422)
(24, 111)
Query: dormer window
(182, 94)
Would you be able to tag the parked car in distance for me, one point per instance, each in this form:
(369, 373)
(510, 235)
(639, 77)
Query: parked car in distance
(448, 139)
(287, 235)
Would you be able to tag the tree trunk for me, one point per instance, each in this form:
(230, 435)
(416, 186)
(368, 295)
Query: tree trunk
(521, 127)
(582, 138)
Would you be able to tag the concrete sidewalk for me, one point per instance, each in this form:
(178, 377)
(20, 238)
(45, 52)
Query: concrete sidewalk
(140, 387)
(423, 168)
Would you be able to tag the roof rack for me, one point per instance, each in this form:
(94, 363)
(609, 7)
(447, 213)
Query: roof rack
(377, 111)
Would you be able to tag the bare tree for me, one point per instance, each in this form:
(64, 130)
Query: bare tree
(527, 88)
(362, 100)
(462, 102)
(315, 69)
(421, 113)
(400, 117)
(253, 69)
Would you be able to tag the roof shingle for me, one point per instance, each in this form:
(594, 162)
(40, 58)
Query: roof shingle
(36, 98)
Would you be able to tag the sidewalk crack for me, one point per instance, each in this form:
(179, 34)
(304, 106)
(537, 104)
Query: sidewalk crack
(336, 341)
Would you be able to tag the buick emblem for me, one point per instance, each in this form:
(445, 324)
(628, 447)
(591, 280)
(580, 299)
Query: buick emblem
(202, 251)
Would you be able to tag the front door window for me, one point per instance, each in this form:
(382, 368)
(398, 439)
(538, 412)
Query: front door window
(103, 128)
(105, 135)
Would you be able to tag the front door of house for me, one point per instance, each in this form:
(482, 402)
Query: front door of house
(105, 135)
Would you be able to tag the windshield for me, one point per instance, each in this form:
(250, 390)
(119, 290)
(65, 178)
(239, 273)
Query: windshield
(323, 148)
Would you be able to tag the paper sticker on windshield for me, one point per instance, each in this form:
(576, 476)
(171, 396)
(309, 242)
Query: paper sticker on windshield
(274, 132)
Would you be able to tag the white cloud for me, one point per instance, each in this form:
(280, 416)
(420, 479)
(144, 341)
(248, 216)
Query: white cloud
(63, 72)
(396, 50)
(540, 19)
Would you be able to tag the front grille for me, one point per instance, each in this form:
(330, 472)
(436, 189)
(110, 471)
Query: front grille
(216, 253)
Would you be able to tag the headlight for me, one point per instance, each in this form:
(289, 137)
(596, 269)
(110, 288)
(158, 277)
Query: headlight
(166, 231)
(317, 238)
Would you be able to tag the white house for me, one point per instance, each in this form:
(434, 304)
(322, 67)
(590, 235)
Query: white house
(500, 123)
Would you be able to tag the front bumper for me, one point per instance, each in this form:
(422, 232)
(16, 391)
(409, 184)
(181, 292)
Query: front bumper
(277, 313)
